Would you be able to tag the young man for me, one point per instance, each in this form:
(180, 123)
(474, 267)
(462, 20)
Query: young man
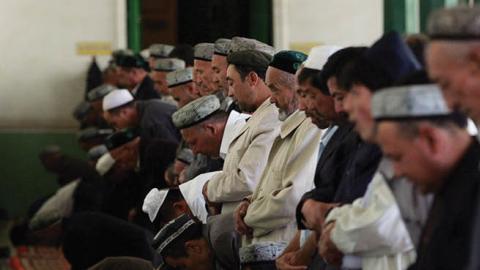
(248, 151)
(187, 244)
(363, 76)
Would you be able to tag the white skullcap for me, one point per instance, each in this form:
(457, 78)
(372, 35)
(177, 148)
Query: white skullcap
(104, 163)
(116, 98)
(153, 202)
(192, 193)
(318, 56)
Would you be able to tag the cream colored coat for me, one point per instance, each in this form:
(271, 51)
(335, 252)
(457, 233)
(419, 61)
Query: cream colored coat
(288, 175)
(373, 229)
(246, 158)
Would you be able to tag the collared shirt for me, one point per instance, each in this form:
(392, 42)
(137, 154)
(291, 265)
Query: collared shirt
(326, 138)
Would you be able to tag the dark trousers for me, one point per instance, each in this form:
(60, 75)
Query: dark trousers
(260, 266)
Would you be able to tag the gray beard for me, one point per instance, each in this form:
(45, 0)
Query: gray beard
(283, 115)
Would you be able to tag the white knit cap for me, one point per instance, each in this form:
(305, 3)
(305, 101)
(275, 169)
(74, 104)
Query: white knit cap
(153, 202)
(318, 56)
(116, 98)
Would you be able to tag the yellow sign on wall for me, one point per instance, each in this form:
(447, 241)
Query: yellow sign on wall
(304, 46)
(94, 48)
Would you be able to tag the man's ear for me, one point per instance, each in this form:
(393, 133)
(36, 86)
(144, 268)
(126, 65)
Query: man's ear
(193, 247)
(181, 206)
(430, 138)
(210, 127)
(474, 59)
(252, 78)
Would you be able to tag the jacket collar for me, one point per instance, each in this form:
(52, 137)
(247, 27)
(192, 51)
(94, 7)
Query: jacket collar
(292, 122)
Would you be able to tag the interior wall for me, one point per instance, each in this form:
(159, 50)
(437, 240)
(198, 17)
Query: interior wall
(340, 22)
(41, 76)
(41, 80)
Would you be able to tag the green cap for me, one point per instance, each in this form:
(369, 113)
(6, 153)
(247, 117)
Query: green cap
(288, 61)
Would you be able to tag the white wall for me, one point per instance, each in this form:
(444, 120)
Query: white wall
(41, 77)
(334, 22)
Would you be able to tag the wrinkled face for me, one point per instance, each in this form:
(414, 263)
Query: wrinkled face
(200, 140)
(120, 119)
(357, 104)
(219, 72)
(318, 106)
(202, 76)
(338, 97)
(282, 96)
(301, 95)
(182, 94)
(160, 82)
(410, 156)
(458, 77)
(240, 90)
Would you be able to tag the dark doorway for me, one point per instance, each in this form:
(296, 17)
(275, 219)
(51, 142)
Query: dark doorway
(195, 21)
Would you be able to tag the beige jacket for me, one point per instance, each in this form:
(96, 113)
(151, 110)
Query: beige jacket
(246, 158)
(288, 175)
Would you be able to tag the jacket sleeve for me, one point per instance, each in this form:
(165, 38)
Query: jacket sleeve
(234, 185)
(275, 208)
(372, 225)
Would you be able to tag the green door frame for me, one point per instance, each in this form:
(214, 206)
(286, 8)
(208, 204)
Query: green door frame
(134, 25)
(410, 16)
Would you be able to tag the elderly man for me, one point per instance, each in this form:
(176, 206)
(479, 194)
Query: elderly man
(202, 125)
(267, 219)
(249, 148)
(432, 148)
(202, 68)
(320, 109)
(133, 74)
(220, 64)
(452, 60)
(158, 74)
(158, 51)
(181, 86)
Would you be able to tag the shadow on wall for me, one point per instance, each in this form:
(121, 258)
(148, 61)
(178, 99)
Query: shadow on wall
(22, 177)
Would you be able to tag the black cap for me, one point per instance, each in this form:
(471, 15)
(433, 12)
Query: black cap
(132, 61)
(121, 137)
(93, 133)
(288, 61)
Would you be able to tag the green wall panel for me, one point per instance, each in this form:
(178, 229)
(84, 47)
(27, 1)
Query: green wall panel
(22, 177)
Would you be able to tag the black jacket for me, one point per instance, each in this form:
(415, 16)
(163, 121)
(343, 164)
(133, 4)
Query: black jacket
(91, 237)
(359, 172)
(445, 240)
(146, 90)
(330, 168)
